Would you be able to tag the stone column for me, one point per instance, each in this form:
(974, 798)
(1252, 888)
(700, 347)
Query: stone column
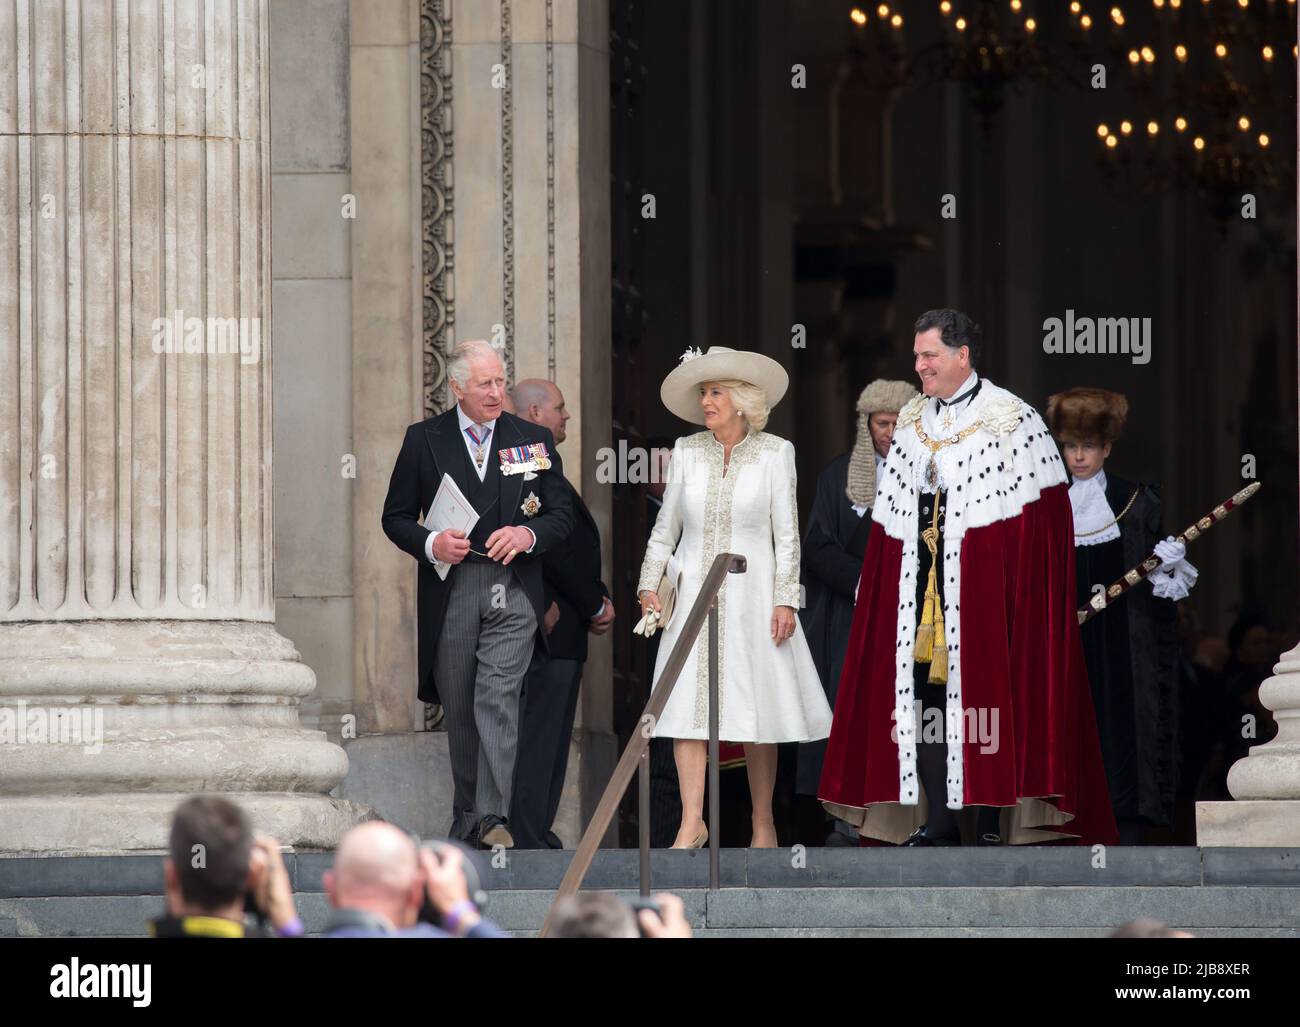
(136, 610)
(1266, 784)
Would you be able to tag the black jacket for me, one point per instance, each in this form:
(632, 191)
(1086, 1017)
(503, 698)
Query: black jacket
(435, 447)
(833, 549)
(571, 576)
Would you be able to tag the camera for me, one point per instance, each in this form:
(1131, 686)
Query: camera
(473, 879)
(639, 904)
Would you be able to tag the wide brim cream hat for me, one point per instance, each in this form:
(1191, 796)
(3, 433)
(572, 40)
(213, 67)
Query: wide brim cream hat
(681, 389)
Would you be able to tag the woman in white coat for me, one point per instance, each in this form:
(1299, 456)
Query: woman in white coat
(731, 488)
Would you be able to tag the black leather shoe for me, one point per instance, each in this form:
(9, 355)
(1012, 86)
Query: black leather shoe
(492, 831)
(920, 838)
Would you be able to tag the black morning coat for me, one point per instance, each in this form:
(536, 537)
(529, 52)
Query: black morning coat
(571, 575)
(435, 447)
(833, 550)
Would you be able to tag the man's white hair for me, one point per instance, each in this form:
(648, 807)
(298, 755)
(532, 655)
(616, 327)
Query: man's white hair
(466, 353)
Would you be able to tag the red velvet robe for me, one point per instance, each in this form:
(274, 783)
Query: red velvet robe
(1020, 653)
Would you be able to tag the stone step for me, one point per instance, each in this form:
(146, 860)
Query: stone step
(1006, 867)
(792, 911)
(887, 893)
(929, 911)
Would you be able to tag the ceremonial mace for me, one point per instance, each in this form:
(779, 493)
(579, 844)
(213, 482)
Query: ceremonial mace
(1139, 573)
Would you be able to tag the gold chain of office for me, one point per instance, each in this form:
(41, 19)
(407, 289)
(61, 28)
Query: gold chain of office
(938, 444)
(1120, 516)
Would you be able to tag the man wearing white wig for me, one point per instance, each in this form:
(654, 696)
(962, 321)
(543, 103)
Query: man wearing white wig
(833, 549)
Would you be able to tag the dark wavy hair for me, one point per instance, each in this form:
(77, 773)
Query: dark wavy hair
(219, 832)
(955, 329)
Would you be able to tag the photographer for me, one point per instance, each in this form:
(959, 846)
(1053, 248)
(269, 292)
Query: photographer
(217, 871)
(381, 880)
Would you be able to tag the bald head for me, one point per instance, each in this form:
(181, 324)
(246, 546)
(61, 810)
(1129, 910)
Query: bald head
(533, 391)
(376, 867)
(539, 401)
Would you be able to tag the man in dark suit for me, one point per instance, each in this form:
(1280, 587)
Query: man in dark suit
(478, 626)
(577, 603)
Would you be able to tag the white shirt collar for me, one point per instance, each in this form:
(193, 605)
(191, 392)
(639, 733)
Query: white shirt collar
(465, 421)
(965, 387)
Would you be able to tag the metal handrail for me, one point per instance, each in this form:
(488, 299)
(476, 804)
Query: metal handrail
(635, 756)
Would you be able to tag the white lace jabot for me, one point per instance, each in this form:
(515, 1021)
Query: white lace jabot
(1094, 520)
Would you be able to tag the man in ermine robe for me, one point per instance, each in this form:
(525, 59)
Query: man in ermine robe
(964, 683)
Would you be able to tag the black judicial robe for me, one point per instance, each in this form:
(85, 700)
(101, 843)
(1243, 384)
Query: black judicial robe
(833, 549)
(1132, 654)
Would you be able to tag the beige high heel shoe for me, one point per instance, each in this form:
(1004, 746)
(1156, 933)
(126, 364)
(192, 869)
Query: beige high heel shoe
(699, 841)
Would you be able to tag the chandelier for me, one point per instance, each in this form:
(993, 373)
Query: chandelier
(1207, 92)
(990, 47)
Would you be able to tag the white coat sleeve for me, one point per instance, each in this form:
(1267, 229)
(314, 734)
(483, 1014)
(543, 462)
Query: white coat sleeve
(785, 528)
(668, 525)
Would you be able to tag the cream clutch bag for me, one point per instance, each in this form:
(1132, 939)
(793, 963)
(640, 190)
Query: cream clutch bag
(667, 593)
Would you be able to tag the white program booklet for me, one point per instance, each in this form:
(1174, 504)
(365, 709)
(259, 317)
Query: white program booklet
(450, 511)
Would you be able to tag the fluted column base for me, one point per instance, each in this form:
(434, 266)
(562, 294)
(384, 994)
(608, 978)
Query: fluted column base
(1265, 784)
(79, 825)
(106, 725)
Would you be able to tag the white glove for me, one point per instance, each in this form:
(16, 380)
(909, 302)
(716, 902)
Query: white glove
(1170, 552)
(1174, 578)
(648, 624)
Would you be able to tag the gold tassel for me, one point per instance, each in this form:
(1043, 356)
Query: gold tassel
(924, 635)
(939, 666)
(939, 659)
(930, 647)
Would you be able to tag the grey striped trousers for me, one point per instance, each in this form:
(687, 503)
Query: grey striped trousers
(483, 653)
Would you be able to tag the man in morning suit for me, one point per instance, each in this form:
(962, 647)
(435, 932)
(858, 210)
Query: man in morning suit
(571, 581)
(478, 626)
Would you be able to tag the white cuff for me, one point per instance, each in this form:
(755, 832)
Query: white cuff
(1175, 583)
(534, 534)
(428, 545)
